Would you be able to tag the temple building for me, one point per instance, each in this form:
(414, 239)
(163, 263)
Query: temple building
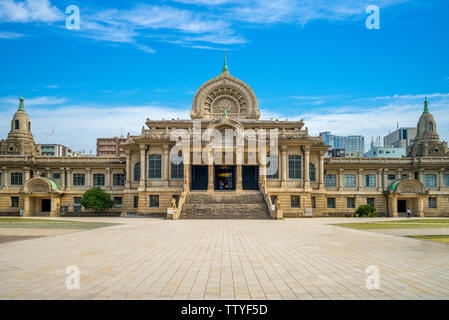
(225, 162)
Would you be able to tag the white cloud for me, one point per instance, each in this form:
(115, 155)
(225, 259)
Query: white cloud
(373, 121)
(10, 35)
(78, 126)
(301, 12)
(207, 22)
(38, 101)
(146, 49)
(29, 11)
(407, 97)
(52, 86)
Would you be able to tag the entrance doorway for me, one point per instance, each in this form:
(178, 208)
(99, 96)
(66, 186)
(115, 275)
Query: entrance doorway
(402, 206)
(224, 178)
(250, 177)
(199, 178)
(46, 205)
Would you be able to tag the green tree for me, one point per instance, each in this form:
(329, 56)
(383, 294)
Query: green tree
(96, 199)
(366, 211)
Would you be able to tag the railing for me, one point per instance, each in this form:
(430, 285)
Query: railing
(273, 208)
(175, 213)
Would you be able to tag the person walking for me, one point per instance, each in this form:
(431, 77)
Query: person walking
(409, 212)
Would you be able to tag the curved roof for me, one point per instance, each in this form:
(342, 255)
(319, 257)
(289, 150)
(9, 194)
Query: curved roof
(54, 185)
(406, 186)
(394, 185)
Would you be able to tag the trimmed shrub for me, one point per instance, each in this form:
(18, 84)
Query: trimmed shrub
(96, 199)
(366, 211)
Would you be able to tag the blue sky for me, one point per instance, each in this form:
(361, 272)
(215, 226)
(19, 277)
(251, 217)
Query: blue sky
(311, 60)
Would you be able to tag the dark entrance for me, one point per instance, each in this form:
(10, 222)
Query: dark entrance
(402, 205)
(46, 205)
(250, 177)
(224, 178)
(199, 177)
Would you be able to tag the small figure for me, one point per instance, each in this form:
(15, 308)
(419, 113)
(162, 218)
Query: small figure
(409, 212)
(221, 184)
(173, 203)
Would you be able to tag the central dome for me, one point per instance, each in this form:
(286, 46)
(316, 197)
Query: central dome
(225, 92)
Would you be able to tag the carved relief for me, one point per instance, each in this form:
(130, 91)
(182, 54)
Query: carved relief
(225, 97)
(38, 186)
(410, 186)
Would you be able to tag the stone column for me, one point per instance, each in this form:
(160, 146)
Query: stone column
(210, 177)
(441, 179)
(69, 178)
(306, 150)
(262, 170)
(143, 164)
(5, 178)
(186, 161)
(421, 176)
(340, 179)
(89, 178)
(239, 178)
(360, 180)
(393, 207)
(27, 174)
(63, 186)
(49, 173)
(284, 163)
(421, 206)
(379, 180)
(321, 169)
(107, 179)
(385, 174)
(166, 165)
(128, 170)
(26, 206)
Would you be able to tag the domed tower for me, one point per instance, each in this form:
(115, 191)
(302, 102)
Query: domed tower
(225, 93)
(427, 141)
(20, 139)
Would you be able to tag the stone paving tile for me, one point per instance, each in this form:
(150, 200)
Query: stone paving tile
(224, 259)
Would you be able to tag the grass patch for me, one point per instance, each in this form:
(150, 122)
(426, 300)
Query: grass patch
(422, 221)
(400, 224)
(50, 224)
(437, 238)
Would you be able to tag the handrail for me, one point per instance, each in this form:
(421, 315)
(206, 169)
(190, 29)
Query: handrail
(175, 213)
(275, 213)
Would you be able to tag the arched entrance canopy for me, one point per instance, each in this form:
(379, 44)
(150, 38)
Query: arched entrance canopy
(407, 186)
(41, 185)
(406, 194)
(42, 196)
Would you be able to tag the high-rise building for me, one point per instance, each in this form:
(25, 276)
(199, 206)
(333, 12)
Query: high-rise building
(55, 150)
(400, 138)
(349, 143)
(110, 146)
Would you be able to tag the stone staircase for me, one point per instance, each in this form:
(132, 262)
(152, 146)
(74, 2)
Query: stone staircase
(225, 205)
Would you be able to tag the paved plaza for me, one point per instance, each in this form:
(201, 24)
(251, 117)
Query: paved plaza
(147, 258)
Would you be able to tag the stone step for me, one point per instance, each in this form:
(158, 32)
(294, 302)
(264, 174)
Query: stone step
(225, 205)
(224, 197)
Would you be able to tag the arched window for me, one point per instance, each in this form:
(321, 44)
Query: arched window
(177, 170)
(312, 173)
(137, 171)
(16, 124)
(431, 126)
(29, 126)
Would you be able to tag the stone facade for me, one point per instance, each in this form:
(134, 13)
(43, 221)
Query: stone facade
(147, 182)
